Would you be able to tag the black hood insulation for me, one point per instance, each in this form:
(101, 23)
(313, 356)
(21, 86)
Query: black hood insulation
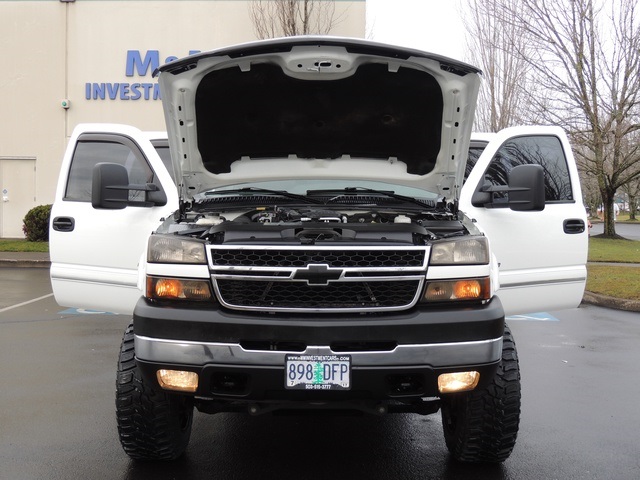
(263, 113)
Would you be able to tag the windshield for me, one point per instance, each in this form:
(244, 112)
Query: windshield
(301, 187)
(475, 150)
(162, 148)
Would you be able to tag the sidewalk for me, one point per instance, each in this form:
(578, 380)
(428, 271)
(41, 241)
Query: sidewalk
(41, 260)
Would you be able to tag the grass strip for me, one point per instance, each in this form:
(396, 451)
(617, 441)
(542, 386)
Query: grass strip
(614, 250)
(614, 281)
(21, 245)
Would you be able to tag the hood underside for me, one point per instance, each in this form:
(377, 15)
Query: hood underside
(318, 107)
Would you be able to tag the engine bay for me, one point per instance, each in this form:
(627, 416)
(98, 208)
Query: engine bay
(309, 225)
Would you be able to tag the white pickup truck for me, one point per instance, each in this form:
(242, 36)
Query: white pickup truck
(319, 229)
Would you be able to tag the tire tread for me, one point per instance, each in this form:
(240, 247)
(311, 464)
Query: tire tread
(482, 425)
(149, 421)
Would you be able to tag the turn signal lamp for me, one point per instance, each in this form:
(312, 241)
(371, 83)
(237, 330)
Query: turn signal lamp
(464, 289)
(458, 381)
(179, 380)
(162, 288)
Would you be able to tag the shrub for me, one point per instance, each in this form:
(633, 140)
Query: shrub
(36, 223)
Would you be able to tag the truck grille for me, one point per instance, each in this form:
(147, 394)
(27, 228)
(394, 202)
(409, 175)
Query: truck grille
(318, 279)
(297, 295)
(335, 258)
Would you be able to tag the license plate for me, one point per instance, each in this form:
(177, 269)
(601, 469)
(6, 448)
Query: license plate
(318, 372)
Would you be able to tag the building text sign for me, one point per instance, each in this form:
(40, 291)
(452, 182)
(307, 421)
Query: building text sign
(137, 64)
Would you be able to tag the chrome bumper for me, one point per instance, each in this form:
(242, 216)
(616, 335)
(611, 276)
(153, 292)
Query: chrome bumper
(433, 355)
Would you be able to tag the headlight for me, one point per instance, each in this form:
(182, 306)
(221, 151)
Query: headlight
(172, 249)
(462, 251)
(163, 288)
(458, 290)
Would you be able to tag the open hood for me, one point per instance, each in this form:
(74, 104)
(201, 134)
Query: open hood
(318, 108)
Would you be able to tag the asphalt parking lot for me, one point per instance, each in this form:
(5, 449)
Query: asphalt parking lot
(630, 231)
(579, 415)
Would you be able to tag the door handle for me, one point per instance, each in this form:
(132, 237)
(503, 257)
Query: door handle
(573, 225)
(63, 224)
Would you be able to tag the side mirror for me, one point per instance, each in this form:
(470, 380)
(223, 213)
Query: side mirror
(525, 191)
(110, 189)
(526, 188)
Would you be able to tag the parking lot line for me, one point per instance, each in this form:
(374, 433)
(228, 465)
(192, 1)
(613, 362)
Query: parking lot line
(536, 317)
(17, 305)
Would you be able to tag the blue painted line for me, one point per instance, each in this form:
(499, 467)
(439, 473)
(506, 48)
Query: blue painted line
(535, 317)
(83, 311)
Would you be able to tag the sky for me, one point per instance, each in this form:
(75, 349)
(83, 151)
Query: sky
(431, 25)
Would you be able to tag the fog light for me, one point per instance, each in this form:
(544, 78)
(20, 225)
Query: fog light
(179, 380)
(458, 382)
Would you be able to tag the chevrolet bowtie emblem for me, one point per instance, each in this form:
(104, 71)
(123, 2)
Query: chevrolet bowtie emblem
(318, 274)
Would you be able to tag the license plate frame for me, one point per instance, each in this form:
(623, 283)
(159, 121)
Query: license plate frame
(317, 372)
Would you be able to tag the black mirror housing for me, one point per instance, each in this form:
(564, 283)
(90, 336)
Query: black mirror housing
(525, 191)
(526, 188)
(109, 186)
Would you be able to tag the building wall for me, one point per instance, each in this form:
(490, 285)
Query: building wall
(99, 56)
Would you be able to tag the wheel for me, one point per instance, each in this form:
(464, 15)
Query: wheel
(152, 424)
(482, 425)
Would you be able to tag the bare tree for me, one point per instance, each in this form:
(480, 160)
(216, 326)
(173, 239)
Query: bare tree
(585, 61)
(507, 81)
(590, 193)
(285, 18)
(632, 189)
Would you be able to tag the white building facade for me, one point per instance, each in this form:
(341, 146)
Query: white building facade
(70, 62)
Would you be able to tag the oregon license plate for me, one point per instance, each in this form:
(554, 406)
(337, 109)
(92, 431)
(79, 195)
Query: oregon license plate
(318, 372)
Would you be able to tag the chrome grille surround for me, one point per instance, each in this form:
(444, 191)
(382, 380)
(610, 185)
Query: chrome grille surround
(311, 278)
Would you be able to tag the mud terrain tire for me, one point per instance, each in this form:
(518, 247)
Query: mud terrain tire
(482, 425)
(152, 424)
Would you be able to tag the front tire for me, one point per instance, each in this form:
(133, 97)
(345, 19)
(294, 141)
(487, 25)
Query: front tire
(482, 425)
(152, 424)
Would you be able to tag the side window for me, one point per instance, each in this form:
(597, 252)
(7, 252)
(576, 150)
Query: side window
(91, 151)
(540, 150)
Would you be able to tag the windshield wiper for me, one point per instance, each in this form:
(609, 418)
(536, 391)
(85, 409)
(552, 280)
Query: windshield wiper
(352, 191)
(252, 190)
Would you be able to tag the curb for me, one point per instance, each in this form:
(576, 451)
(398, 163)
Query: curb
(10, 263)
(611, 302)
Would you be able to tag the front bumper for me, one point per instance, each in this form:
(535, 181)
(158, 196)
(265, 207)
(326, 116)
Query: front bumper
(241, 357)
(431, 354)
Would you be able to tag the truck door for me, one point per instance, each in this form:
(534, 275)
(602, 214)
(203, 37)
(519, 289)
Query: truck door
(541, 254)
(95, 252)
